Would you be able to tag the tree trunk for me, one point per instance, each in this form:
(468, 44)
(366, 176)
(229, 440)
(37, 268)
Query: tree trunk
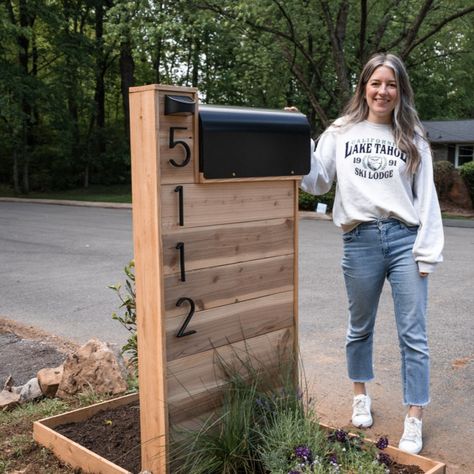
(196, 63)
(16, 178)
(99, 93)
(127, 79)
(26, 21)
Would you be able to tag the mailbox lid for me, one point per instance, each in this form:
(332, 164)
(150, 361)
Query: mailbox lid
(239, 142)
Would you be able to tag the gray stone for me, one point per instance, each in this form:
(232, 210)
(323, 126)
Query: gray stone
(30, 391)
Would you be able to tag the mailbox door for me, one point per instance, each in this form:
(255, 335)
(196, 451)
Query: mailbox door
(252, 143)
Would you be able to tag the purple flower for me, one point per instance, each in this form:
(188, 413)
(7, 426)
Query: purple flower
(333, 459)
(341, 436)
(384, 458)
(382, 443)
(303, 452)
(294, 472)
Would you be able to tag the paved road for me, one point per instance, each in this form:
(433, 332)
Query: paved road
(56, 263)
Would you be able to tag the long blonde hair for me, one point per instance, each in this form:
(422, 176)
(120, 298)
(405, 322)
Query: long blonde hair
(405, 122)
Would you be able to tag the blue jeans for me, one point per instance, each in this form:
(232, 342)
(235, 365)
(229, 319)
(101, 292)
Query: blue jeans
(374, 251)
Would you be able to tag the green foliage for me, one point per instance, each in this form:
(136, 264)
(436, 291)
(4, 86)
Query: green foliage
(308, 202)
(128, 318)
(34, 410)
(66, 69)
(443, 177)
(467, 173)
(264, 426)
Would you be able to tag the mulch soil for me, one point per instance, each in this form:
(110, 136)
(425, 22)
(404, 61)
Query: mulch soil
(115, 435)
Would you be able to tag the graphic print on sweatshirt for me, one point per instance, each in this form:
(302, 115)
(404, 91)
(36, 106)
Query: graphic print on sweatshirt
(373, 158)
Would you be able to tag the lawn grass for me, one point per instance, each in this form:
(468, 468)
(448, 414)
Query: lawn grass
(18, 450)
(115, 193)
(447, 215)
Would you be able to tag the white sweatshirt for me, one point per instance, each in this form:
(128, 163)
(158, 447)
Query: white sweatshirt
(373, 183)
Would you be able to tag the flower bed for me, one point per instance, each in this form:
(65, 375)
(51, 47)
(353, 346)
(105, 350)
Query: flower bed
(102, 416)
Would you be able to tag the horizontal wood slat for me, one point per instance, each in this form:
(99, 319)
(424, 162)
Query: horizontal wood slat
(218, 286)
(195, 378)
(229, 324)
(226, 244)
(226, 203)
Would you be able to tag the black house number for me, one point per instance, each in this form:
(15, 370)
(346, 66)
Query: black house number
(173, 143)
(181, 332)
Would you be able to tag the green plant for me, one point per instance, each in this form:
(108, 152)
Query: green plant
(308, 202)
(128, 319)
(89, 397)
(467, 173)
(44, 408)
(266, 425)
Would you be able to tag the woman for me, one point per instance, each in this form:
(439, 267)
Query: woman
(387, 207)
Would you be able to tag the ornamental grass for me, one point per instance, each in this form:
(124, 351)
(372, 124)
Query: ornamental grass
(266, 425)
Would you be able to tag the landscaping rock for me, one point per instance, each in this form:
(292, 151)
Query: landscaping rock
(94, 366)
(49, 380)
(8, 400)
(30, 391)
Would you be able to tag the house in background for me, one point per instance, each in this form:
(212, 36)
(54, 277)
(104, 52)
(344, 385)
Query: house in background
(451, 140)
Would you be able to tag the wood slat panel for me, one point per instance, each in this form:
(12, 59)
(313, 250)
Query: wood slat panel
(193, 380)
(228, 324)
(218, 286)
(226, 244)
(226, 203)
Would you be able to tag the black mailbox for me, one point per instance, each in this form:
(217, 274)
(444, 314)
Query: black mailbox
(238, 142)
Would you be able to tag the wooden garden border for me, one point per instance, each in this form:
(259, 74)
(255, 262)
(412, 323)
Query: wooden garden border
(78, 456)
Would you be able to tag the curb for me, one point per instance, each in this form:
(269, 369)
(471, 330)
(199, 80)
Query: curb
(62, 202)
(312, 215)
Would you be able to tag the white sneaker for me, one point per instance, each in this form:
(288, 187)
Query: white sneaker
(411, 441)
(361, 416)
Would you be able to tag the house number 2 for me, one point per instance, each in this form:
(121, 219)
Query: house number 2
(181, 332)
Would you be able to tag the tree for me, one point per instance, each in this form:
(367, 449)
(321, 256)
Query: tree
(346, 34)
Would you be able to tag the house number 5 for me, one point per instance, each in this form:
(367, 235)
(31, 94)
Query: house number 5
(173, 143)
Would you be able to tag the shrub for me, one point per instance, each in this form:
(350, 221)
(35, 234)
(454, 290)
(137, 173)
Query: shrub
(308, 202)
(467, 173)
(443, 178)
